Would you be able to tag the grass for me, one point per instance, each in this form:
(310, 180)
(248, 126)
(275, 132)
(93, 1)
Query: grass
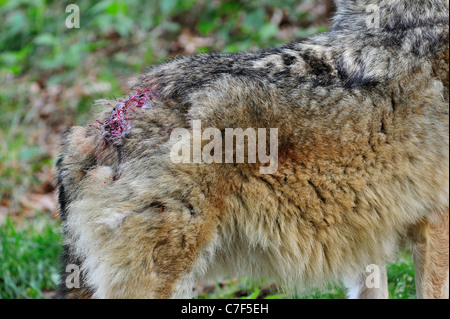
(29, 258)
(401, 278)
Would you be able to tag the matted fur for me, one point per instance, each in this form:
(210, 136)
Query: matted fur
(363, 159)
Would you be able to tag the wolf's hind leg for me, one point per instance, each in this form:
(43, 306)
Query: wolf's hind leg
(430, 241)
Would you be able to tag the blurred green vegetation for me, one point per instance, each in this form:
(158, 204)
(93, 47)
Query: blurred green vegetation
(50, 75)
(34, 37)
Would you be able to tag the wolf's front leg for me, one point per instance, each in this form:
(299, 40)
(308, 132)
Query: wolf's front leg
(155, 252)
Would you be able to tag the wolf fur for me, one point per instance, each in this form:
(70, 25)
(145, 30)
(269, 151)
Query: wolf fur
(363, 165)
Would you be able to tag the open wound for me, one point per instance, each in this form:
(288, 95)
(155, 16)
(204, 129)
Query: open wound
(118, 124)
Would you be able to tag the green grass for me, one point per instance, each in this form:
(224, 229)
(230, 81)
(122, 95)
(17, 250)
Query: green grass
(401, 278)
(29, 258)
